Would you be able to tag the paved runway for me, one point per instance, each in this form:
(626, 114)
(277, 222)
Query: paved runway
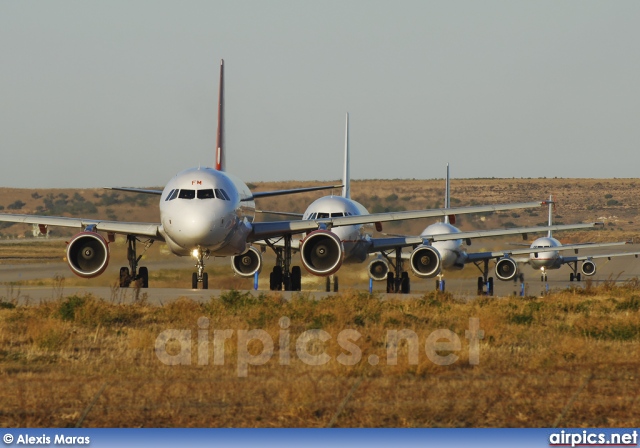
(620, 269)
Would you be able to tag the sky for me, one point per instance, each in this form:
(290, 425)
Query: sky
(124, 93)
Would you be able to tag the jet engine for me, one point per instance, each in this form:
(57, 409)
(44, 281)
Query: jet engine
(588, 268)
(88, 254)
(426, 261)
(322, 253)
(248, 263)
(378, 269)
(506, 269)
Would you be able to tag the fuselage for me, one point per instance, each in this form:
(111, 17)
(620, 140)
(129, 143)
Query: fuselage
(202, 208)
(451, 252)
(355, 239)
(549, 259)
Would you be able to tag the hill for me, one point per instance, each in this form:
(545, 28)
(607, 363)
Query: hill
(614, 201)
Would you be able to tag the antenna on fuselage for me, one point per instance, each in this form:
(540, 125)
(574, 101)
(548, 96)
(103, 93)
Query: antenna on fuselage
(220, 159)
(346, 175)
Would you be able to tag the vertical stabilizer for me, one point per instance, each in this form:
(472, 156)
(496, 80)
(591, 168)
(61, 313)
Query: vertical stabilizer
(346, 175)
(447, 195)
(550, 214)
(220, 159)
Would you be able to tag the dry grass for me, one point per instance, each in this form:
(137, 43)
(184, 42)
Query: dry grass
(569, 359)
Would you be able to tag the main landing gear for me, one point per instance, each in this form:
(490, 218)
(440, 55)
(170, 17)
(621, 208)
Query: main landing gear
(575, 275)
(283, 275)
(484, 281)
(398, 281)
(200, 276)
(132, 273)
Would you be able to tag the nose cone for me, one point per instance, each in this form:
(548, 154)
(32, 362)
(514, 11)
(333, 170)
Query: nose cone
(195, 229)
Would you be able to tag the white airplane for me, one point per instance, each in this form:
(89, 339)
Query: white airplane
(322, 255)
(440, 248)
(208, 212)
(547, 256)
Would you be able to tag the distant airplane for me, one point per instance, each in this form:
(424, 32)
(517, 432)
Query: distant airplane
(440, 248)
(322, 254)
(547, 256)
(207, 212)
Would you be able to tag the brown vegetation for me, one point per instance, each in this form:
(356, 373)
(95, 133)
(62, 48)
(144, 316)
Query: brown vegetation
(568, 359)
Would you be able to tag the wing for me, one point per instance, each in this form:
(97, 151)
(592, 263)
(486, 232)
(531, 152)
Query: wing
(592, 257)
(387, 243)
(481, 256)
(148, 229)
(262, 230)
(263, 194)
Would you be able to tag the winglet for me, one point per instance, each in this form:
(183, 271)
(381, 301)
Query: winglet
(220, 160)
(346, 174)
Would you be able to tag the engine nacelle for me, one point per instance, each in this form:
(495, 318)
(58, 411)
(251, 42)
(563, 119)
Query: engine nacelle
(378, 269)
(426, 261)
(506, 269)
(588, 268)
(248, 263)
(322, 253)
(88, 254)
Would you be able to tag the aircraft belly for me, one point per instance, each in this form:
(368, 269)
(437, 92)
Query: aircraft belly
(355, 251)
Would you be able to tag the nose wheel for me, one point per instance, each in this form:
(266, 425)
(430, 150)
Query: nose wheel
(200, 277)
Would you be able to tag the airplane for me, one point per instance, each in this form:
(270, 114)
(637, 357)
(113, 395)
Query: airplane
(208, 212)
(353, 244)
(550, 257)
(442, 243)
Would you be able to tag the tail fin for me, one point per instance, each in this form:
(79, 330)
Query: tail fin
(220, 159)
(346, 174)
(550, 214)
(449, 219)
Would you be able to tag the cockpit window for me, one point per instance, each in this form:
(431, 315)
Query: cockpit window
(168, 198)
(174, 195)
(337, 214)
(187, 194)
(225, 195)
(206, 194)
(322, 215)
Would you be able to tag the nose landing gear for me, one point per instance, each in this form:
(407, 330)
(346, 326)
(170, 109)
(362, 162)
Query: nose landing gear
(200, 276)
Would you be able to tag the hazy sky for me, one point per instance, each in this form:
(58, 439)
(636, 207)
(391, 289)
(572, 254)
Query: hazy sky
(117, 93)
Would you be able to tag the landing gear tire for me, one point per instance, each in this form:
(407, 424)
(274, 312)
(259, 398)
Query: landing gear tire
(275, 279)
(335, 284)
(143, 277)
(405, 285)
(571, 276)
(328, 285)
(194, 281)
(390, 283)
(490, 287)
(480, 286)
(296, 278)
(124, 277)
(578, 277)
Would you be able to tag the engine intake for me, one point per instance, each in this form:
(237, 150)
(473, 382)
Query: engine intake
(378, 269)
(88, 254)
(248, 263)
(588, 268)
(506, 269)
(426, 261)
(322, 253)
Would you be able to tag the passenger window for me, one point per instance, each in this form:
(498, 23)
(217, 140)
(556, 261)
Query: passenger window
(205, 194)
(187, 194)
